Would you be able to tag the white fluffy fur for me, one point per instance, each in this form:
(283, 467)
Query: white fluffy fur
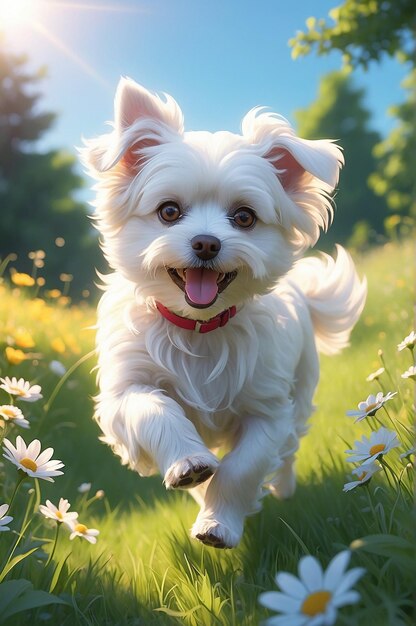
(169, 397)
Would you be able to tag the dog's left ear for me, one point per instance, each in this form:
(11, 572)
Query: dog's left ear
(307, 170)
(142, 121)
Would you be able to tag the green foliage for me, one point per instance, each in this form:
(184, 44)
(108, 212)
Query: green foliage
(339, 112)
(363, 30)
(395, 177)
(37, 203)
(17, 596)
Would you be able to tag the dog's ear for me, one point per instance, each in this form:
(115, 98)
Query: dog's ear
(307, 170)
(143, 120)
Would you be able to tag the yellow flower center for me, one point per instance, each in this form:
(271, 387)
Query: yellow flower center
(362, 476)
(10, 413)
(81, 528)
(316, 603)
(377, 448)
(59, 515)
(29, 464)
(371, 407)
(17, 391)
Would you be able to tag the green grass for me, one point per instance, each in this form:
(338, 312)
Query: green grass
(144, 569)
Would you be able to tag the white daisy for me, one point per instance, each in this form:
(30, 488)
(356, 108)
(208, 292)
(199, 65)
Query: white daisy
(370, 448)
(57, 368)
(408, 342)
(4, 519)
(80, 530)
(314, 598)
(59, 514)
(84, 487)
(13, 415)
(375, 375)
(369, 407)
(410, 373)
(21, 388)
(364, 474)
(29, 459)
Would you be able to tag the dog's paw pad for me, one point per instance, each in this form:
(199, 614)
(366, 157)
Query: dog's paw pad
(192, 477)
(189, 473)
(210, 539)
(214, 534)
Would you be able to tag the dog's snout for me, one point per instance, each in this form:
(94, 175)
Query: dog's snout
(206, 247)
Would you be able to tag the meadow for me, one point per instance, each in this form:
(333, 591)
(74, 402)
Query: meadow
(144, 569)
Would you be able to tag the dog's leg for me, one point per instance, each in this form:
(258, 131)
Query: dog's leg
(149, 425)
(283, 484)
(236, 489)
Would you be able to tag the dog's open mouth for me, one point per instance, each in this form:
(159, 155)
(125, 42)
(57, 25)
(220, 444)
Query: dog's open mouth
(200, 285)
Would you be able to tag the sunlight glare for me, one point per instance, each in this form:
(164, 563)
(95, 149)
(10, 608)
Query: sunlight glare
(16, 12)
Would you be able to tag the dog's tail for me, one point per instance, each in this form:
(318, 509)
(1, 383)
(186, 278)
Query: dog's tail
(335, 296)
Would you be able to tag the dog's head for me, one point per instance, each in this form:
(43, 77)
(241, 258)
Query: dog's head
(202, 221)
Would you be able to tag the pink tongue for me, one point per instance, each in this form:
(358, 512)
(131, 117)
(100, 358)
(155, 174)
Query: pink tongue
(201, 285)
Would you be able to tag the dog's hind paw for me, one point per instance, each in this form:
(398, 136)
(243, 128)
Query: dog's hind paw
(211, 540)
(190, 472)
(215, 535)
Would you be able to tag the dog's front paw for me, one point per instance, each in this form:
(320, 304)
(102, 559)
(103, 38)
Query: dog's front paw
(191, 471)
(214, 534)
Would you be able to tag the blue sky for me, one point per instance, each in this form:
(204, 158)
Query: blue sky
(218, 58)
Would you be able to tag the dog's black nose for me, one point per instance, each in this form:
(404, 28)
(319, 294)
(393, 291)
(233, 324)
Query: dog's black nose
(206, 247)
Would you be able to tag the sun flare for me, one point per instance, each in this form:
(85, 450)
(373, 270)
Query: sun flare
(16, 12)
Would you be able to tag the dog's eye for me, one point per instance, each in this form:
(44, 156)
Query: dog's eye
(244, 218)
(169, 212)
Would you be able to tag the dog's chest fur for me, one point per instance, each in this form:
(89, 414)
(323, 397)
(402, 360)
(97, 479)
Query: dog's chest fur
(231, 370)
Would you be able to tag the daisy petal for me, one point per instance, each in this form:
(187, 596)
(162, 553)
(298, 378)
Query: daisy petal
(330, 616)
(44, 474)
(279, 602)
(349, 597)
(291, 585)
(287, 620)
(349, 579)
(33, 449)
(310, 573)
(336, 570)
(44, 456)
(10, 447)
(20, 445)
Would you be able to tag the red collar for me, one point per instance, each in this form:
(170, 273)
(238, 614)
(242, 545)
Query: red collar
(200, 327)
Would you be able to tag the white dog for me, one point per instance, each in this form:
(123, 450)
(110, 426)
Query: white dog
(209, 326)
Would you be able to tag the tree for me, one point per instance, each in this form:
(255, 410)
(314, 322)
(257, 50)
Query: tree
(365, 31)
(37, 205)
(395, 177)
(339, 112)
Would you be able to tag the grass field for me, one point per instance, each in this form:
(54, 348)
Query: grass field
(144, 569)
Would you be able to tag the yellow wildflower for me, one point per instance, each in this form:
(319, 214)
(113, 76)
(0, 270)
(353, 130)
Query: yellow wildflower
(22, 280)
(23, 338)
(53, 293)
(58, 345)
(15, 357)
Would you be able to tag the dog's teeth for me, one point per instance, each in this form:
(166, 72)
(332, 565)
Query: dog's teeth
(220, 277)
(181, 274)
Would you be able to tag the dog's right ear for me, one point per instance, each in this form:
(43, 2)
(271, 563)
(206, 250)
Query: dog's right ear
(143, 120)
